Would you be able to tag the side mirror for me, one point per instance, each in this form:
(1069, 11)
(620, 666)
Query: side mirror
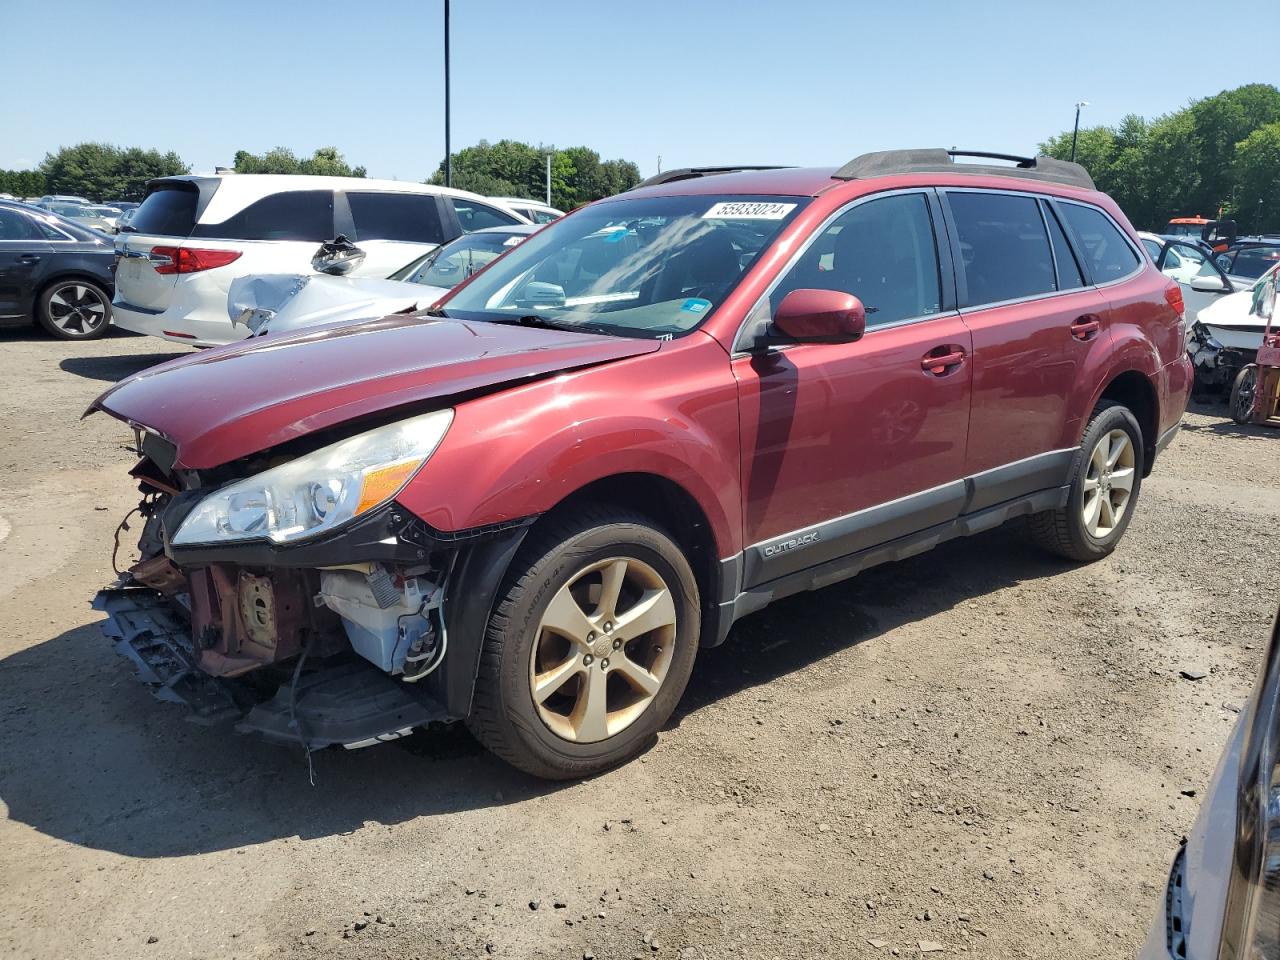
(1209, 284)
(819, 316)
(338, 257)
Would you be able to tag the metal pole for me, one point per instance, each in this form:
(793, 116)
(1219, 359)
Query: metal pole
(448, 155)
(548, 179)
(1076, 131)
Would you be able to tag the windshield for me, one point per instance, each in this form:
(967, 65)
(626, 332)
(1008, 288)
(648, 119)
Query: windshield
(450, 264)
(1185, 229)
(652, 267)
(73, 210)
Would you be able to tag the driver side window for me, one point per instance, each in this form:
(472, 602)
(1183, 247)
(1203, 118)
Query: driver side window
(881, 251)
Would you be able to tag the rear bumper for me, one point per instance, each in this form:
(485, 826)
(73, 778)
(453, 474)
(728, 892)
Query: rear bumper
(193, 329)
(345, 701)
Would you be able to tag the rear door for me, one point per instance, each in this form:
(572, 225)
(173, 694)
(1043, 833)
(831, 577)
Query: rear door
(1034, 319)
(165, 218)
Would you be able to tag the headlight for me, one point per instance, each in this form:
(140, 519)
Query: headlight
(320, 491)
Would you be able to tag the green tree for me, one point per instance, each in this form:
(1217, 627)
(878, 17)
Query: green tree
(102, 171)
(510, 168)
(1257, 171)
(22, 183)
(1192, 161)
(325, 162)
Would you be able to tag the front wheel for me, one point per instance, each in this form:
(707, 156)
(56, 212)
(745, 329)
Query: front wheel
(590, 647)
(1243, 391)
(1104, 489)
(74, 310)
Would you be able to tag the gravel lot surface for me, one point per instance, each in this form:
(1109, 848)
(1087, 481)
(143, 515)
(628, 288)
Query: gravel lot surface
(980, 750)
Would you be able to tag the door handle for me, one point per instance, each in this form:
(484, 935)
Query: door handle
(29, 258)
(940, 361)
(1085, 327)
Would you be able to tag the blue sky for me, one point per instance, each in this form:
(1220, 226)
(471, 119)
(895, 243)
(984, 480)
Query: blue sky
(693, 81)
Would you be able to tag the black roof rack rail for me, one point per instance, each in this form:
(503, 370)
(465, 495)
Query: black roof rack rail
(888, 162)
(690, 173)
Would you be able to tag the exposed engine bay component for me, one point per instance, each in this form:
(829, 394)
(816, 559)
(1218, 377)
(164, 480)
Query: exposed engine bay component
(240, 621)
(1215, 365)
(391, 622)
(341, 701)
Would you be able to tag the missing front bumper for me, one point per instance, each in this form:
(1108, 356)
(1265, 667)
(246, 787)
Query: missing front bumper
(343, 701)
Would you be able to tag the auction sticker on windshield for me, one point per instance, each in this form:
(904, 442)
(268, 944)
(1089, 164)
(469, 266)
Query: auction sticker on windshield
(748, 210)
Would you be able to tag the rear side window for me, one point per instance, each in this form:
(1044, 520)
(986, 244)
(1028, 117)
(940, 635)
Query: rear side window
(477, 216)
(1103, 247)
(1069, 276)
(1003, 246)
(167, 212)
(413, 217)
(301, 215)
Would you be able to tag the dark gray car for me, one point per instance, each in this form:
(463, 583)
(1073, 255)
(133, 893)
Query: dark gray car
(54, 272)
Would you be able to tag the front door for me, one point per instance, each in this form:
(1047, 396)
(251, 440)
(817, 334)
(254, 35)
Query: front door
(845, 446)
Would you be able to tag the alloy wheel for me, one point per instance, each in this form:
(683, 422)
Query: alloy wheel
(1108, 483)
(77, 309)
(603, 649)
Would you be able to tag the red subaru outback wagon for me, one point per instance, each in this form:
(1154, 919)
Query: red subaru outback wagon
(528, 507)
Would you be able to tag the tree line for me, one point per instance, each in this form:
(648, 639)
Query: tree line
(510, 168)
(1217, 157)
(102, 171)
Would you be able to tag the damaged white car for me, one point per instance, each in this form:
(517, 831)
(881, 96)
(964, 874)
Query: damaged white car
(273, 303)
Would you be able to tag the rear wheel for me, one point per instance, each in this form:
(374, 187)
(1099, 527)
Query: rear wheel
(590, 647)
(1104, 488)
(74, 310)
(1242, 394)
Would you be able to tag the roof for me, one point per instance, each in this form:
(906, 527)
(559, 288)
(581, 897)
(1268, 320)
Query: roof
(262, 184)
(811, 181)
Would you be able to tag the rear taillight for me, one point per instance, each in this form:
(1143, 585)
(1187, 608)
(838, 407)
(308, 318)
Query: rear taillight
(1173, 293)
(168, 260)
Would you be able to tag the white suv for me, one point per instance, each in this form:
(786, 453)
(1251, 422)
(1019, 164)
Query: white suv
(193, 235)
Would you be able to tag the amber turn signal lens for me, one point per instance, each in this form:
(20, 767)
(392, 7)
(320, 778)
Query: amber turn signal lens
(383, 483)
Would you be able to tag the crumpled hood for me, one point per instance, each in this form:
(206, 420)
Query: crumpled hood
(279, 302)
(226, 403)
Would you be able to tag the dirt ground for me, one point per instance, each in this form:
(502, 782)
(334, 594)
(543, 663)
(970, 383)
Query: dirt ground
(980, 748)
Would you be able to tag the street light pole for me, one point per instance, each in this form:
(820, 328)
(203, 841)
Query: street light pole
(448, 155)
(1074, 133)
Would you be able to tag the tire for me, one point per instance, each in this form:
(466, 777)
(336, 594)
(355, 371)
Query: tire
(1068, 532)
(570, 555)
(1242, 393)
(74, 309)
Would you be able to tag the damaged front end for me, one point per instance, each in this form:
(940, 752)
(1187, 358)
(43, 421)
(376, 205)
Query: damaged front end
(337, 637)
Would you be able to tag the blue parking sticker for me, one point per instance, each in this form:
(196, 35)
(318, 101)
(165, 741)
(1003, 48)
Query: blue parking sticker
(695, 305)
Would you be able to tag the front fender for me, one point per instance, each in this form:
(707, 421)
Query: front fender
(520, 452)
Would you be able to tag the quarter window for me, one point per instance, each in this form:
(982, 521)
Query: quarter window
(882, 252)
(1103, 247)
(477, 216)
(1004, 249)
(412, 217)
(300, 215)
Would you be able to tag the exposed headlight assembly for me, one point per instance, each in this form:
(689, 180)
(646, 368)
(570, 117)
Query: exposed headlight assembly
(320, 491)
(1251, 927)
